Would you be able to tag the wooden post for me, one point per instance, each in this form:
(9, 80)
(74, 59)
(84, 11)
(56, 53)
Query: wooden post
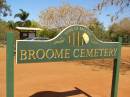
(115, 78)
(10, 65)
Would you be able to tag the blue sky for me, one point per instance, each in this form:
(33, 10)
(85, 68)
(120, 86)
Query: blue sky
(34, 7)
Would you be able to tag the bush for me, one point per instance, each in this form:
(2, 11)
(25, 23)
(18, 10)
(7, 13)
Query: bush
(4, 28)
(50, 33)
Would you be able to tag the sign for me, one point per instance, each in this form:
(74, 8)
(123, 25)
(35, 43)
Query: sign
(75, 42)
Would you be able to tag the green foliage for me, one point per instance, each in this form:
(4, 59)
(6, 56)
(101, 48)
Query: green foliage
(23, 15)
(4, 8)
(34, 24)
(121, 29)
(50, 33)
(23, 24)
(4, 28)
(99, 30)
(11, 24)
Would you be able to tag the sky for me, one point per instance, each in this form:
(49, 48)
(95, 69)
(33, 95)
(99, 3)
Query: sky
(34, 7)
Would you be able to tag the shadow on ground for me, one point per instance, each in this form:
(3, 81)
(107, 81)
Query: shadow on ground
(76, 91)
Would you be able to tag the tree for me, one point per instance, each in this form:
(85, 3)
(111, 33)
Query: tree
(34, 24)
(120, 29)
(124, 24)
(11, 24)
(4, 28)
(64, 16)
(99, 30)
(4, 8)
(49, 33)
(121, 5)
(23, 15)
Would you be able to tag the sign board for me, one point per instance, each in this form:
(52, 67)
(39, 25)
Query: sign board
(75, 42)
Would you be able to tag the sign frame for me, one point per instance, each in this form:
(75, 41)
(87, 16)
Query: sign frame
(73, 40)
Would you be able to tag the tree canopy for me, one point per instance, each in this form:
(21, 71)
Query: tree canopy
(23, 16)
(120, 29)
(4, 8)
(65, 15)
(4, 28)
(121, 5)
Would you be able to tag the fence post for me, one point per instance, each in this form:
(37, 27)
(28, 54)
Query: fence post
(10, 65)
(115, 78)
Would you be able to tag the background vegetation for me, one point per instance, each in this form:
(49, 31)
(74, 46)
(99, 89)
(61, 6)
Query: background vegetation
(55, 19)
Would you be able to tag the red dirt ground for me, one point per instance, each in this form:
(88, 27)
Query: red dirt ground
(92, 78)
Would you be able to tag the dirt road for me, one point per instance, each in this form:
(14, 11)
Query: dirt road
(67, 79)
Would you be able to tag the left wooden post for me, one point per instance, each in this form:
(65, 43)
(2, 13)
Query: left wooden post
(10, 65)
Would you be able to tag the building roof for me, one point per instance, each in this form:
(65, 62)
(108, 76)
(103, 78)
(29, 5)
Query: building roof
(28, 28)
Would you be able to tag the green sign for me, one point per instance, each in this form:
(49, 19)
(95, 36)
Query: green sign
(73, 43)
